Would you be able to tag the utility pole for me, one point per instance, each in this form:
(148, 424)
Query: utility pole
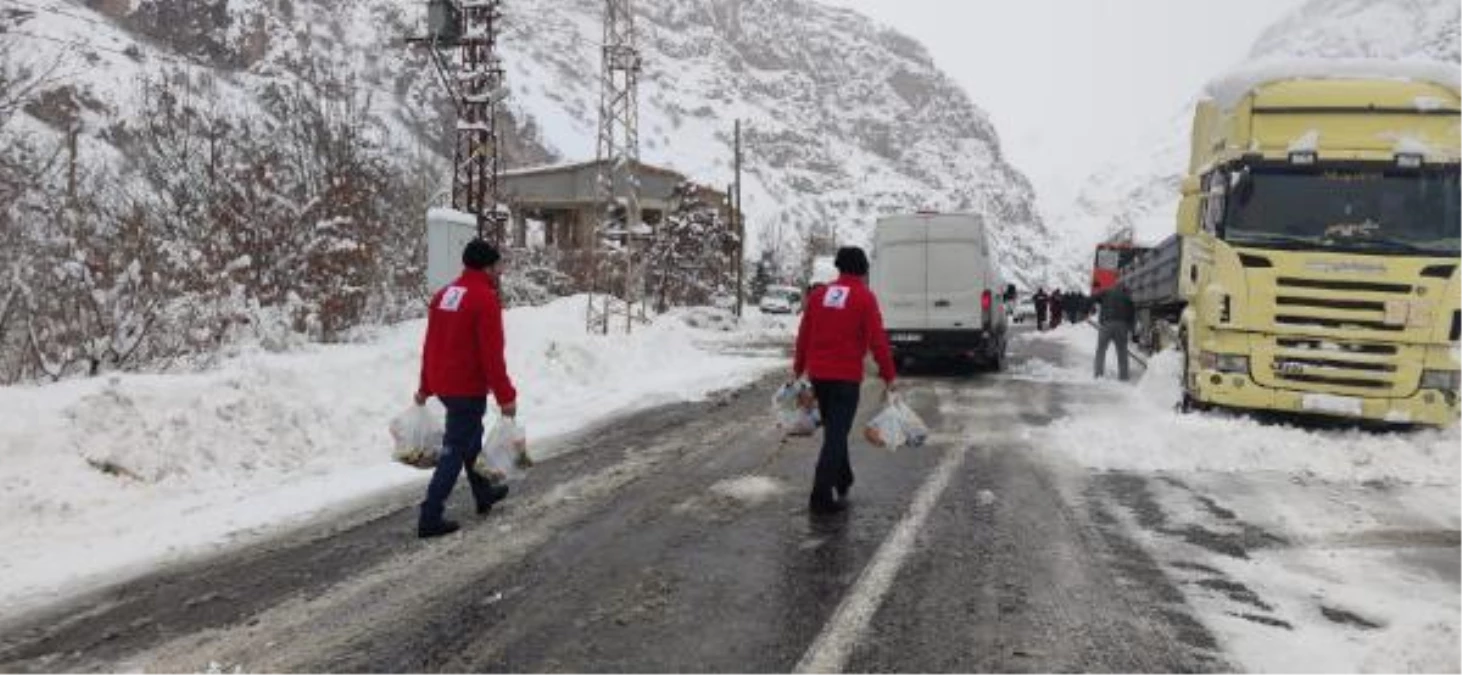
(738, 224)
(620, 232)
(476, 85)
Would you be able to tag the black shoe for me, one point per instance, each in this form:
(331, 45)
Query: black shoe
(495, 494)
(439, 529)
(843, 489)
(824, 505)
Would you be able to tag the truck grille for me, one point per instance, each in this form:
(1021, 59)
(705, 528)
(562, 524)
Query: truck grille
(1327, 304)
(1340, 336)
(1327, 365)
(1334, 285)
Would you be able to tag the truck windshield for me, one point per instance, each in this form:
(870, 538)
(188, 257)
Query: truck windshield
(1358, 211)
(1114, 258)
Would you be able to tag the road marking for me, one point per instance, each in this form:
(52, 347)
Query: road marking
(830, 651)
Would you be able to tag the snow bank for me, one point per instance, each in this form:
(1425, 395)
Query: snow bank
(1363, 522)
(1231, 88)
(1138, 429)
(103, 475)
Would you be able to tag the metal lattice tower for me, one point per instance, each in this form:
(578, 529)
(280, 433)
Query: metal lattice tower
(480, 83)
(618, 271)
(476, 87)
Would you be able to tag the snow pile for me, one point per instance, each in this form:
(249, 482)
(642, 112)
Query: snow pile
(1041, 370)
(749, 489)
(1138, 429)
(1161, 386)
(1142, 436)
(1423, 639)
(99, 474)
(1340, 545)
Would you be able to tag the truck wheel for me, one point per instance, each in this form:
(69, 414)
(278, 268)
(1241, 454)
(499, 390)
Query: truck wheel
(1189, 403)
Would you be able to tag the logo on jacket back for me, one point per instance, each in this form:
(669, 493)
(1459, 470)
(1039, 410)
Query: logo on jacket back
(836, 298)
(452, 299)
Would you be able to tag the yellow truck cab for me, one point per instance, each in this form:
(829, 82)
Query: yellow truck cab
(1316, 264)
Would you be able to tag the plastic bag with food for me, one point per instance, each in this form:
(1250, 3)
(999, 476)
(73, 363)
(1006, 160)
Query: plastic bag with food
(795, 407)
(806, 422)
(504, 454)
(417, 437)
(896, 426)
(915, 429)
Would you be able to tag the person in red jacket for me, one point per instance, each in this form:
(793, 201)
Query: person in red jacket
(841, 323)
(462, 363)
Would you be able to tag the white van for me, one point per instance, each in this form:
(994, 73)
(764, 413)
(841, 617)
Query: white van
(941, 292)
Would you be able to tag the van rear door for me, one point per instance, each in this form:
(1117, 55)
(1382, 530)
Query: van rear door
(899, 276)
(956, 278)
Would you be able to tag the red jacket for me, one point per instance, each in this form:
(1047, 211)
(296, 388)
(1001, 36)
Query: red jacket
(840, 324)
(463, 351)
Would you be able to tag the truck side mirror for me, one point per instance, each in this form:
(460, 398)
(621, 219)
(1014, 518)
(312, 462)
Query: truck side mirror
(1188, 215)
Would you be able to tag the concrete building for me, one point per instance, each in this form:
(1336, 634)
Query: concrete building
(564, 199)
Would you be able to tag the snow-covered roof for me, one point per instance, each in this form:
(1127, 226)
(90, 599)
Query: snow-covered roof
(579, 166)
(1229, 89)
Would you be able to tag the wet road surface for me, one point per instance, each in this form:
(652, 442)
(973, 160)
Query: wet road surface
(678, 540)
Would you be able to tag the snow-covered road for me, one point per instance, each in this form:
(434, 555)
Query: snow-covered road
(1052, 523)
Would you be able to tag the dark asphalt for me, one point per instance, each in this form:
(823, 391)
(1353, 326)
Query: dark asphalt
(677, 540)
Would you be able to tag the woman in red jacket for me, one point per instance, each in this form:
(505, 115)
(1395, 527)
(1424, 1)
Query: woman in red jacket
(462, 363)
(841, 323)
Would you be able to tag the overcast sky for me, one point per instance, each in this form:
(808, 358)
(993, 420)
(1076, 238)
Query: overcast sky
(1070, 82)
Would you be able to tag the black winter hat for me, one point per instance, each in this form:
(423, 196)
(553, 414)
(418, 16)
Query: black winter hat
(852, 260)
(479, 255)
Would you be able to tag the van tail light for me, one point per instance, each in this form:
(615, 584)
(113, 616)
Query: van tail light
(986, 299)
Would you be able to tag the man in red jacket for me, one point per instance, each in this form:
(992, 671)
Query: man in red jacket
(841, 323)
(461, 363)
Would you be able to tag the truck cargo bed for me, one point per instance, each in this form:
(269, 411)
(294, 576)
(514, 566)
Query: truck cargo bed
(1152, 279)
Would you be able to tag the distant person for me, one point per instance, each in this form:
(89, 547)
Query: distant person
(1071, 303)
(1118, 313)
(1041, 301)
(462, 362)
(1055, 302)
(840, 325)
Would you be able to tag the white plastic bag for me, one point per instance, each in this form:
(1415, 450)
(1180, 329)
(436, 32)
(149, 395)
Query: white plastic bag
(417, 436)
(504, 454)
(795, 408)
(896, 426)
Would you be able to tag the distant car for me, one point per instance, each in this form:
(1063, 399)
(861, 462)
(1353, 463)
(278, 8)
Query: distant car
(1025, 310)
(782, 300)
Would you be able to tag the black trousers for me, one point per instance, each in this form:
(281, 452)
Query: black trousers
(838, 402)
(460, 448)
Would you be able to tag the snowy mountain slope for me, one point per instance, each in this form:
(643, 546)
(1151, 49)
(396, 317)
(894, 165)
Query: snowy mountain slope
(845, 119)
(1140, 191)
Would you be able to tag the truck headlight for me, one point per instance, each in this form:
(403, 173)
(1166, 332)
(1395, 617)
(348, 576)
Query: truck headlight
(1443, 380)
(1226, 363)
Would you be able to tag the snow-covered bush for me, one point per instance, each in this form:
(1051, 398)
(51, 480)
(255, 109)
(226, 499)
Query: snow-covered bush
(693, 256)
(220, 226)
